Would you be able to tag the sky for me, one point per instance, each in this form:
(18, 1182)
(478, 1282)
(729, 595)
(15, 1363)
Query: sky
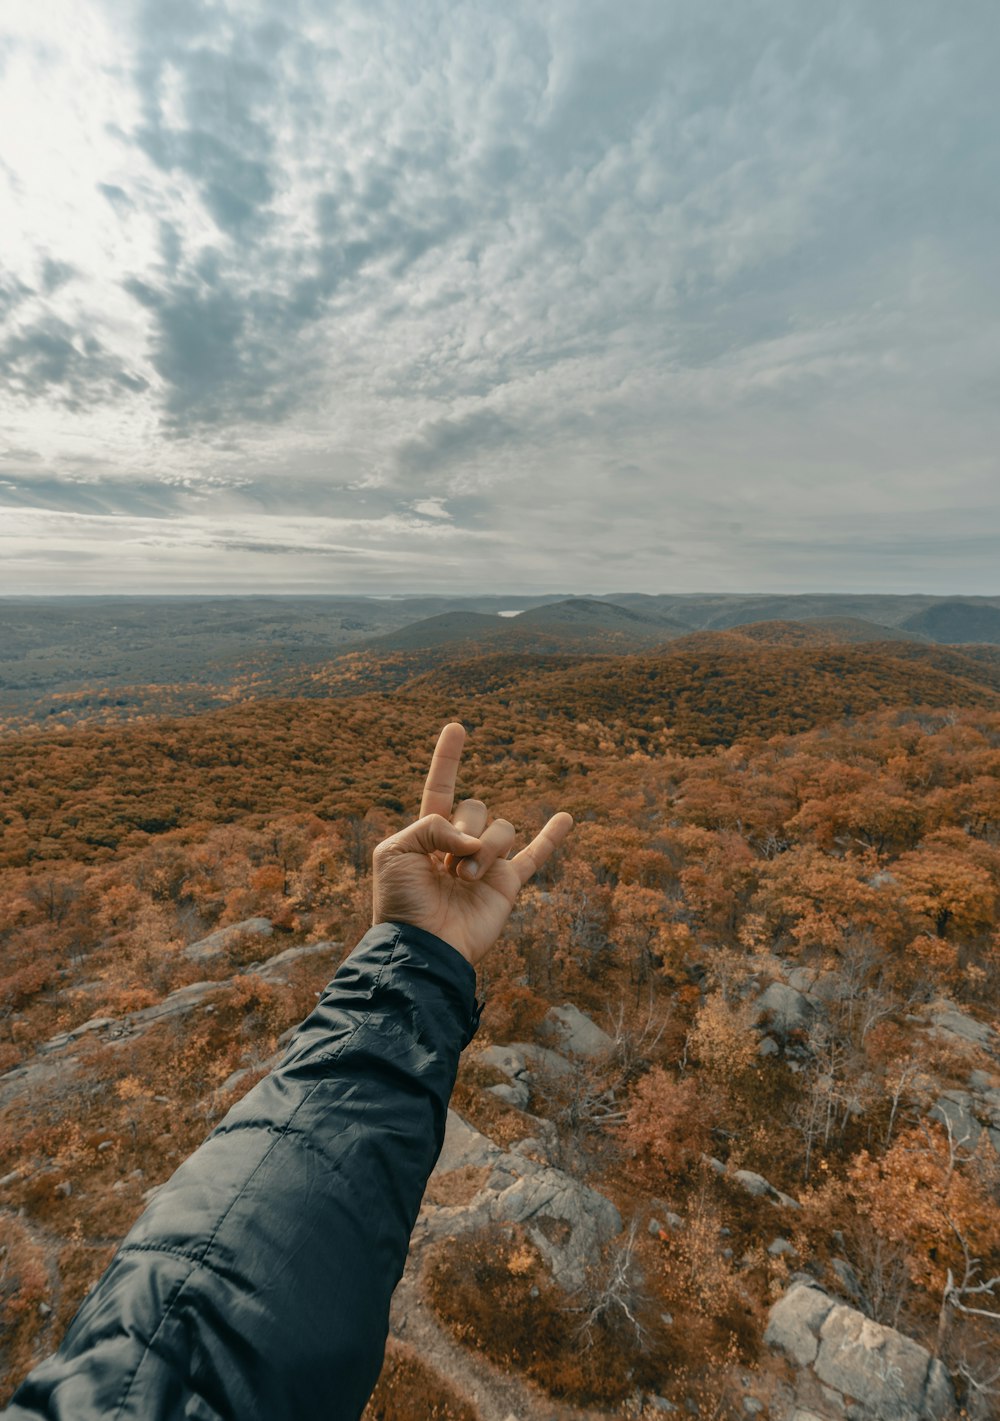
(388, 296)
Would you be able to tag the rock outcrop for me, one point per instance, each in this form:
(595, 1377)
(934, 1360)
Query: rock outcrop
(572, 1031)
(54, 1057)
(567, 1221)
(850, 1366)
(217, 944)
(783, 1009)
(948, 1022)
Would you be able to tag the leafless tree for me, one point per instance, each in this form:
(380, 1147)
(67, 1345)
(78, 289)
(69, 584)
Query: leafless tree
(612, 1298)
(635, 1039)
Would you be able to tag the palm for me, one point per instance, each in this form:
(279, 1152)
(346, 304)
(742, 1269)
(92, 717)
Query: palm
(419, 873)
(419, 889)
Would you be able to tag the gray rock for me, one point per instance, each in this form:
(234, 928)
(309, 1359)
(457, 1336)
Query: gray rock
(867, 1372)
(539, 1059)
(781, 1248)
(673, 1221)
(982, 1082)
(65, 1038)
(990, 1104)
(273, 965)
(847, 1278)
(567, 1221)
(530, 1146)
(217, 944)
(752, 1406)
(576, 1033)
(947, 1020)
(768, 1047)
(889, 1376)
(464, 1146)
(754, 1184)
(819, 987)
(509, 1059)
(517, 1094)
(783, 1008)
(759, 1187)
(954, 1108)
(794, 1322)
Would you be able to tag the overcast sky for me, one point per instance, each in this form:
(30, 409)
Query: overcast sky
(443, 295)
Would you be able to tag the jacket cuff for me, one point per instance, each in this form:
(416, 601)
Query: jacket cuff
(414, 949)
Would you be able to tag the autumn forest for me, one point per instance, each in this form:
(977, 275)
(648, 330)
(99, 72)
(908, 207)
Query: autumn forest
(778, 911)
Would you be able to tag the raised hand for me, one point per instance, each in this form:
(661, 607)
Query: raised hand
(448, 872)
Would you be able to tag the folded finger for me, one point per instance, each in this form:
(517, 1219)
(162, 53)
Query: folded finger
(433, 834)
(470, 816)
(542, 846)
(494, 842)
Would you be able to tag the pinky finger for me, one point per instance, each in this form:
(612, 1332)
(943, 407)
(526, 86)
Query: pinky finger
(542, 847)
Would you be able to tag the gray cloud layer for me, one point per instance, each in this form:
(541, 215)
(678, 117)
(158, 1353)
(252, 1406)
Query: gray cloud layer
(682, 294)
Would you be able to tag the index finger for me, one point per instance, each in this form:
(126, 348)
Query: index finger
(542, 846)
(439, 787)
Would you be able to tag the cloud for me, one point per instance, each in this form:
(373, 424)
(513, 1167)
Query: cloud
(430, 508)
(141, 498)
(654, 285)
(48, 357)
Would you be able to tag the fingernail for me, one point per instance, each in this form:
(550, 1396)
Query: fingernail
(469, 870)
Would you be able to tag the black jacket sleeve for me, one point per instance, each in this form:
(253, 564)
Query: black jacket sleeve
(257, 1283)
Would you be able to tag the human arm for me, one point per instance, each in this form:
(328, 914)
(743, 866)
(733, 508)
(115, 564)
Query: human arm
(257, 1283)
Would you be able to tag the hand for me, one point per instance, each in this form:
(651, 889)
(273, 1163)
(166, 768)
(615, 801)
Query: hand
(449, 872)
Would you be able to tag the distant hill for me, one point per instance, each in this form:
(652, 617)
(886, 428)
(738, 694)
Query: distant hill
(958, 622)
(718, 611)
(99, 660)
(577, 625)
(824, 631)
(712, 690)
(589, 614)
(445, 629)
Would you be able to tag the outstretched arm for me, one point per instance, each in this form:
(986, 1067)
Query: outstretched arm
(257, 1283)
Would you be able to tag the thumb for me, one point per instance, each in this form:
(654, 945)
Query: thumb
(432, 834)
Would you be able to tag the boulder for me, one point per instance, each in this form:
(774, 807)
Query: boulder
(567, 1221)
(574, 1032)
(891, 1377)
(520, 1058)
(781, 1248)
(464, 1146)
(948, 1021)
(819, 987)
(783, 1009)
(217, 944)
(954, 1109)
(760, 1188)
(854, 1366)
(794, 1322)
(508, 1059)
(517, 1094)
